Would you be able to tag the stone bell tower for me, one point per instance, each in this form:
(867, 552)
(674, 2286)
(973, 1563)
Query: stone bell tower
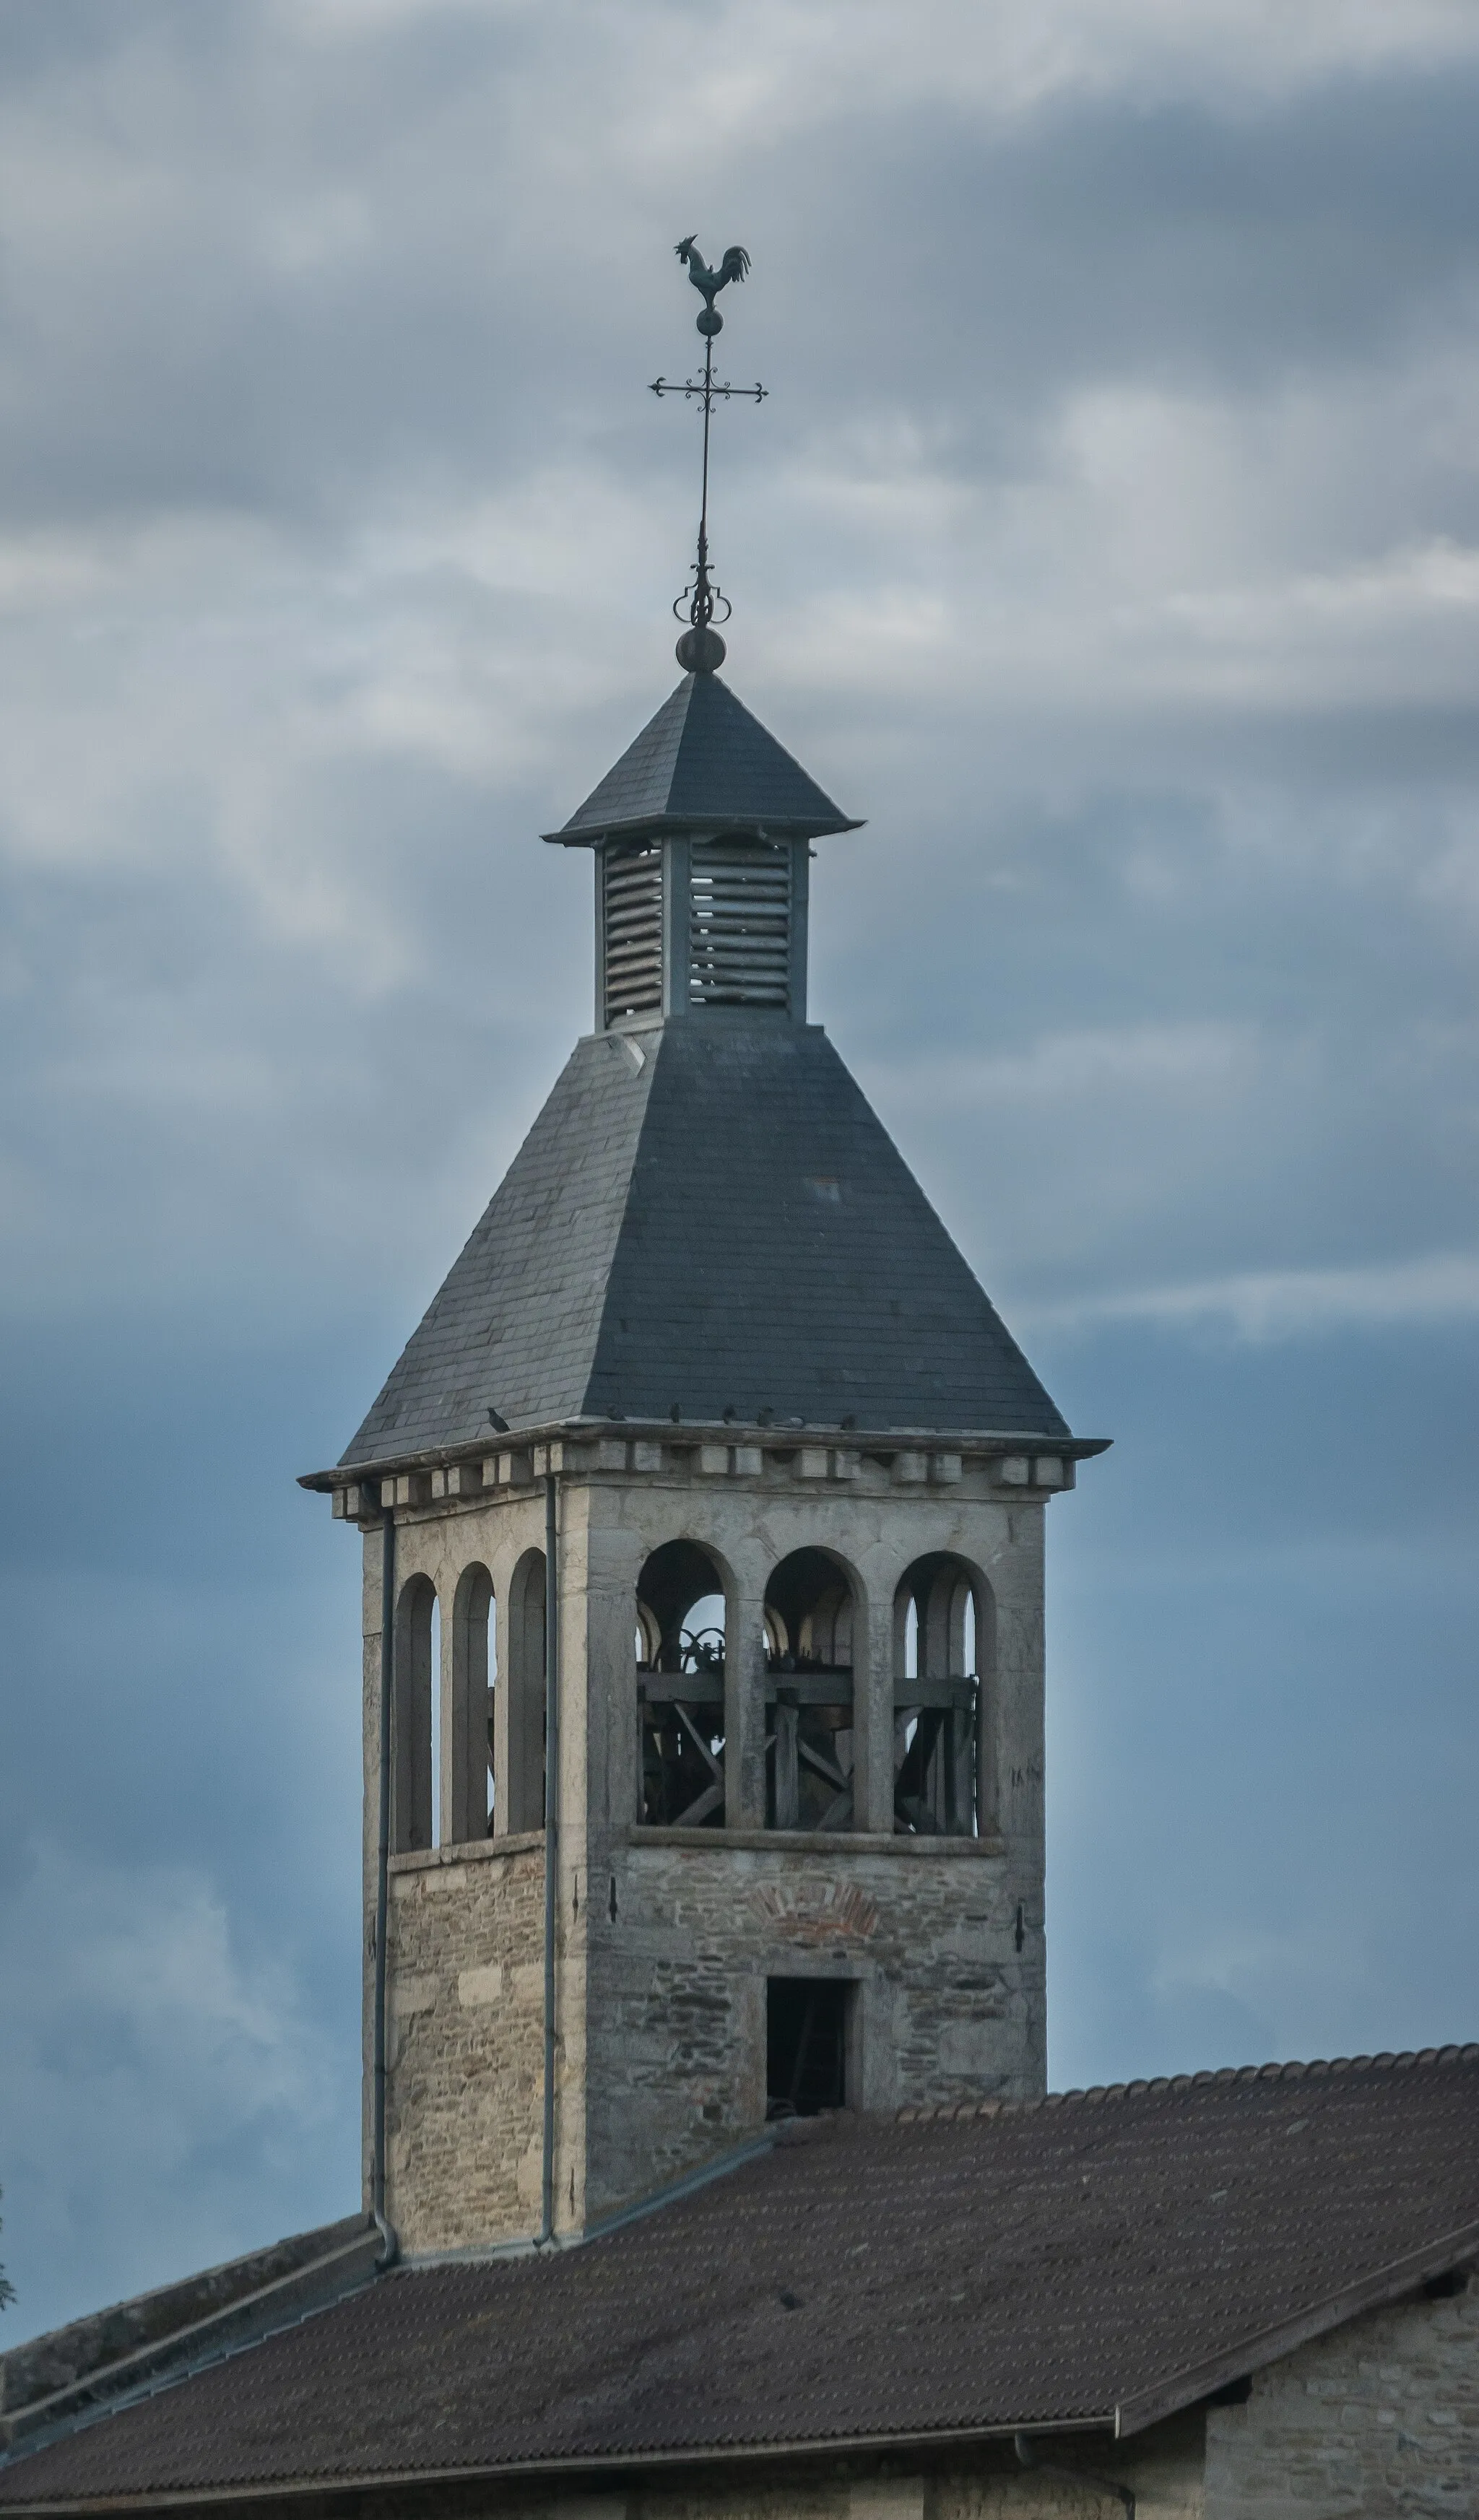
(711, 1344)
(702, 1525)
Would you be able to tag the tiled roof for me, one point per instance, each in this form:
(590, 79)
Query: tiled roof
(728, 1227)
(1107, 2258)
(705, 760)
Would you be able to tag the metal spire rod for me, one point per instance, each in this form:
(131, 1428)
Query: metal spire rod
(700, 648)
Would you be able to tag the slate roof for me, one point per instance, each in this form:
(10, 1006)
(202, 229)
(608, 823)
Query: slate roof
(729, 1226)
(703, 761)
(1103, 2258)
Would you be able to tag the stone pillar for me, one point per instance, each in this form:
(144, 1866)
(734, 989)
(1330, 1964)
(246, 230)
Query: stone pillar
(745, 1693)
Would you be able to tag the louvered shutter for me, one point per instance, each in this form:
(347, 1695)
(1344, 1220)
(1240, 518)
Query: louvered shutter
(740, 924)
(633, 932)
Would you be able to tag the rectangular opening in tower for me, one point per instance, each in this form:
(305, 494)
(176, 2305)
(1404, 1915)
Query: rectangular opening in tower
(633, 932)
(805, 2045)
(740, 925)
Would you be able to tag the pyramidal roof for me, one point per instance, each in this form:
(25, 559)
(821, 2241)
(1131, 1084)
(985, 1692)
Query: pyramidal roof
(703, 761)
(710, 1216)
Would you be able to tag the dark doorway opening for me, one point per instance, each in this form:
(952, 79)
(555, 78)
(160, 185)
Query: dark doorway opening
(805, 2045)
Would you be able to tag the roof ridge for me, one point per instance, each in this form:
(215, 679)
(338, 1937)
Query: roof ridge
(1289, 2070)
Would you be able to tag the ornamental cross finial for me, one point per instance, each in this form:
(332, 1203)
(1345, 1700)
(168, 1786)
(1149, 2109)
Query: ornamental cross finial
(701, 650)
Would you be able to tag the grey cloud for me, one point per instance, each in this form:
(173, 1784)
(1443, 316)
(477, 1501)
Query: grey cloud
(1106, 541)
(349, 261)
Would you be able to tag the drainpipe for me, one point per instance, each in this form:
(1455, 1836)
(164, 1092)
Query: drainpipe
(1027, 2457)
(552, 1852)
(391, 2246)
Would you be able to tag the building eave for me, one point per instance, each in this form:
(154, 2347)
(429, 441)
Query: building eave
(1375, 2291)
(988, 1442)
(693, 826)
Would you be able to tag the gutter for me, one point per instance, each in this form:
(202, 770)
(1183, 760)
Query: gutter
(364, 2484)
(390, 2245)
(552, 1850)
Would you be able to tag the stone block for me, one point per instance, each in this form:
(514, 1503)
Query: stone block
(812, 1463)
(944, 1468)
(844, 1465)
(479, 1986)
(412, 1993)
(1048, 1470)
(647, 1458)
(714, 1460)
(910, 1469)
(967, 2049)
(611, 1452)
(749, 1460)
(1013, 1469)
(886, 2498)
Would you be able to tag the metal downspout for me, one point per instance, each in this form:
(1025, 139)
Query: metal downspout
(552, 1852)
(386, 2231)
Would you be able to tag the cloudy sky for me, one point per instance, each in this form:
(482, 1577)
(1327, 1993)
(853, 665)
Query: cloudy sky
(1111, 540)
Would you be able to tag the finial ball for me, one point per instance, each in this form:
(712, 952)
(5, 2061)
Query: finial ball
(709, 320)
(700, 650)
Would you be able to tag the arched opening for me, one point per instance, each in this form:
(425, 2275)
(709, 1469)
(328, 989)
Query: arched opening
(470, 1772)
(518, 1702)
(411, 1774)
(809, 1694)
(680, 1687)
(942, 1641)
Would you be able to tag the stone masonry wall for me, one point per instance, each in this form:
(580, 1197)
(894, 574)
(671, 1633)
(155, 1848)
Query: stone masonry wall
(1380, 2419)
(675, 2029)
(466, 2043)
(665, 1945)
(680, 1936)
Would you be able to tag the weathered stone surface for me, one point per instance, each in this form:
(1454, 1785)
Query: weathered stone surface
(666, 1938)
(466, 2051)
(1380, 2417)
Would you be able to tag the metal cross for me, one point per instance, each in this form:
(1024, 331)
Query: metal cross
(699, 600)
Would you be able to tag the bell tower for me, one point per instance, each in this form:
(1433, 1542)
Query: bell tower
(702, 1517)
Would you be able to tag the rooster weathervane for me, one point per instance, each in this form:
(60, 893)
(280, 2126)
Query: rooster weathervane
(701, 650)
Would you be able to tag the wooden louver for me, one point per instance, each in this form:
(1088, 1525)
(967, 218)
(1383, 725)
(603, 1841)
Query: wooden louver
(633, 931)
(740, 924)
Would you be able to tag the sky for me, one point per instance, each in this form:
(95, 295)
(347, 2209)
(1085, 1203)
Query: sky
(1109, 539)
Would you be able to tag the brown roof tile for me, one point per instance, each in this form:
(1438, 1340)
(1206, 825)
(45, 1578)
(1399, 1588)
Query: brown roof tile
(1034, 2266)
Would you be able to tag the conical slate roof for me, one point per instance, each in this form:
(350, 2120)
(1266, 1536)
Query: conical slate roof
(705, 760)
(727, 1225)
